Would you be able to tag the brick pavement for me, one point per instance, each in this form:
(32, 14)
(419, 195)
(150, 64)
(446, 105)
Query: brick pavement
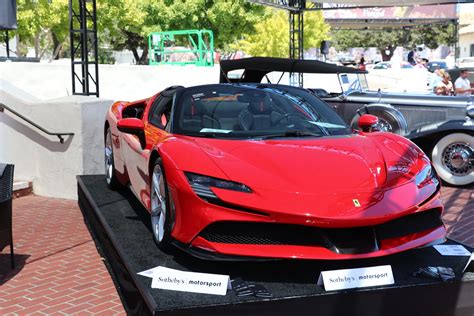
(459, 213)
(60, 271)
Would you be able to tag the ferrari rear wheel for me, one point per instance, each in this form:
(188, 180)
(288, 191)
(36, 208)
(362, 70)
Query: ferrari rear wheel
(110, 176)
(160, 207)
(453, 158)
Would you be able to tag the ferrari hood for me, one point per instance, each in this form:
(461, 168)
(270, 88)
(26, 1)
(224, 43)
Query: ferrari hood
(354, 163)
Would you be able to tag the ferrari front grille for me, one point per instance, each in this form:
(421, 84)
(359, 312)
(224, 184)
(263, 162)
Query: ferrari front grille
(340, 240)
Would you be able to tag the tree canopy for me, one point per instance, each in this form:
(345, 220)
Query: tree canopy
(44, 24)
(271, 36)
(128, 22)
(386, 40)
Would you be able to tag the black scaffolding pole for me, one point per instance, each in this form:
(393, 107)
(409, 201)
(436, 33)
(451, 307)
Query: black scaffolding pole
(296, 38)
(84, 51)
(7, 43)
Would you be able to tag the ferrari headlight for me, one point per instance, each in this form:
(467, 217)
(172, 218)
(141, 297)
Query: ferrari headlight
(426, 174)
(201, 185)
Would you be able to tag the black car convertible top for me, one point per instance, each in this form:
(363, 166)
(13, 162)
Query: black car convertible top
(255, 68)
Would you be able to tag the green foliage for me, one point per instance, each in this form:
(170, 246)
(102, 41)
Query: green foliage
(430, 35)
(42, 22)
(105, 57)
(128, 22)
(271, 36)
(315, 29)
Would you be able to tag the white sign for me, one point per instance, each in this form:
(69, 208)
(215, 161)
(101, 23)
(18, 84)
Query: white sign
(148, 273)
(175, 280)
(452, 250)
(471, 259)
(354, 278)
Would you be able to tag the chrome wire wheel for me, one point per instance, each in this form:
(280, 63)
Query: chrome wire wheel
(458, 157)
(453, 157)
(384, 126)
(158, 204)
(109, 157)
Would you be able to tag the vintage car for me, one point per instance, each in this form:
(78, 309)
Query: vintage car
(252, 171)
(442, 126)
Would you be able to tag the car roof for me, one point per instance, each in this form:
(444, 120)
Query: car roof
(255, 68)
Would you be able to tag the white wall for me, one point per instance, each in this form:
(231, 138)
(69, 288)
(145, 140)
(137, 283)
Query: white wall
(116, 82)
(465, 41)
(42, 158)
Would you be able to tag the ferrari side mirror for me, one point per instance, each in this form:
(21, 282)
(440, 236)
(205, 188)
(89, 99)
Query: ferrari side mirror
(368, 123)
(133, 126)
(130, 126)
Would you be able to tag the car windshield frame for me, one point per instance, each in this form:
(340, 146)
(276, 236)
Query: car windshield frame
(225, 110)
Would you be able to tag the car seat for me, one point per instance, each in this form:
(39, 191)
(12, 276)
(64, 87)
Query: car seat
(256, 116)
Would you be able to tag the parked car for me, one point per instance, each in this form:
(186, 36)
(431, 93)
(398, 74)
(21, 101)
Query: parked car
(390, 65)
(433, 64)
(345, 59)
(465, 62)
(251, 171)
(440, 125)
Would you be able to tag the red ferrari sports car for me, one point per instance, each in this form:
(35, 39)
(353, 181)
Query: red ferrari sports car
(253, 171)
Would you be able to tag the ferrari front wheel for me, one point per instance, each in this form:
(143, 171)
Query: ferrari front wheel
(110, 176)
(160, 207)
(453, 159)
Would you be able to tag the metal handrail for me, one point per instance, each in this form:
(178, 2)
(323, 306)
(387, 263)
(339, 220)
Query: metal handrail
(59, 135)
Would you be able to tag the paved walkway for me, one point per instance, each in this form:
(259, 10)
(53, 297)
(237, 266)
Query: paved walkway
(59, 271)
(459, 214)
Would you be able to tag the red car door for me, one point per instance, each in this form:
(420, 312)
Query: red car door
(136, 156)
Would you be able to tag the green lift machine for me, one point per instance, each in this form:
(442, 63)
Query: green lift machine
(183, 47)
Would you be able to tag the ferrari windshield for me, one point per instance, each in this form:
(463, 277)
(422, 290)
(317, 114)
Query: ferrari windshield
(254, 111)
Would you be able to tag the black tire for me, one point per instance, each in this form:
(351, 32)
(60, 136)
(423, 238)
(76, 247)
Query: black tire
(390, 118)
(161, 230)
(109, 164)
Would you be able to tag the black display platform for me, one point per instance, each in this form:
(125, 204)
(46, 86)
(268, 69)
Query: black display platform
(120, 227)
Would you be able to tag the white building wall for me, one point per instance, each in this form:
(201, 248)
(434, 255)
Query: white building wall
(116, 82)
(52, 165)
(465, 42)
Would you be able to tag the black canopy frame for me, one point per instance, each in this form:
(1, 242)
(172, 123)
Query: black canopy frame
(256, 68)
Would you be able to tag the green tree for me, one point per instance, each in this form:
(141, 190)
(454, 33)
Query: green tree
(386, 40)
(42, 24)
(127, 23)
(271, 36)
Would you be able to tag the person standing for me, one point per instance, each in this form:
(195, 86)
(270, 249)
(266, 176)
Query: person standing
(362, 63)
(462, 85)
(445, 86)
(449, 88)
(411, 57)
(436, 79)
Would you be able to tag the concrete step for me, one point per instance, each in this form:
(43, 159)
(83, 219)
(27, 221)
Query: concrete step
(22, 188)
